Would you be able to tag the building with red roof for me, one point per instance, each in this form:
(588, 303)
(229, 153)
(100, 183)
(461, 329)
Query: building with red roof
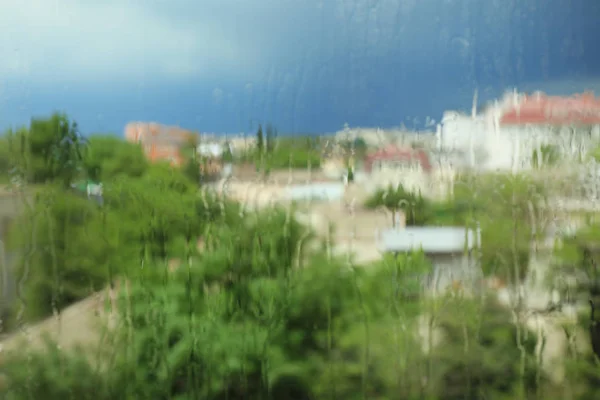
(540, 109)
(394, 157)
(508, 133)
(160, 142)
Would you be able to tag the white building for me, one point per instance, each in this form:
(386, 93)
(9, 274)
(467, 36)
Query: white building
(210, 149)
(506, 135)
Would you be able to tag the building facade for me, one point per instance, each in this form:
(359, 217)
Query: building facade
(159, 142)
(394, 165)
(509, 132)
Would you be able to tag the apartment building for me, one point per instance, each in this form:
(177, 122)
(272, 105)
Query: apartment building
(508, 132)
(160, 142)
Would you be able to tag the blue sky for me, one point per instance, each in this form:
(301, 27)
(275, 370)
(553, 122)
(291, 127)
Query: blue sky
(307, 66)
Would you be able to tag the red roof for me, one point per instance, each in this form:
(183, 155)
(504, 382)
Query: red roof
(394, 153)
(151, 132)
(553, 110)
(161, 143)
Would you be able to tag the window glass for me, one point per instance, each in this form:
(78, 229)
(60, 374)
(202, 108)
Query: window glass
(190, 192)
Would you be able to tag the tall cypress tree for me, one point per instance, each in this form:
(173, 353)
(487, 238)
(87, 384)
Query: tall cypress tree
(270, 137)
(260, 140)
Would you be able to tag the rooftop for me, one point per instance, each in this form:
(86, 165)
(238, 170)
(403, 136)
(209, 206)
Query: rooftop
(542, 109)
(156, 133)
(395, 153)
(429, 239)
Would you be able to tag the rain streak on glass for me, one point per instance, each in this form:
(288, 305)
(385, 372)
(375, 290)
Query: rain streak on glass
(282, 199)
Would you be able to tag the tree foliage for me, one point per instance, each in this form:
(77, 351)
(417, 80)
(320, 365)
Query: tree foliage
(546, 155)
(510, 210)
(398, 199)
(49, 150)
(497, 359)
(270, 137)
(260, 140)
(107, 157)
(259, 310)
(273, 151)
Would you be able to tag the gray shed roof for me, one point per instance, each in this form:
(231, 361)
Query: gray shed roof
(429, 239)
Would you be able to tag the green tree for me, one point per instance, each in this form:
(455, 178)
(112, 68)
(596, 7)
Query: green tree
(69, 246)
(296, 153)
(546, 155)
(107, 157)
(260, 140)
(72, 247)
(6, 159)
(279, 322)
(576, 257)
(262, 312)
(50, 150)
(56, 149)
(350, 174)
(77, 378)
(357, 147)
(18, 159)
(227, 156)
(238, 295)
(191, 169)
(270, 138)
(484, 355)
(192, 160)
(396, 199)
(511, 212)
(156, 210)
(594, 154)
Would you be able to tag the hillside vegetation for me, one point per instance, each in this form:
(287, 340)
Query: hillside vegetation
(222, 303)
